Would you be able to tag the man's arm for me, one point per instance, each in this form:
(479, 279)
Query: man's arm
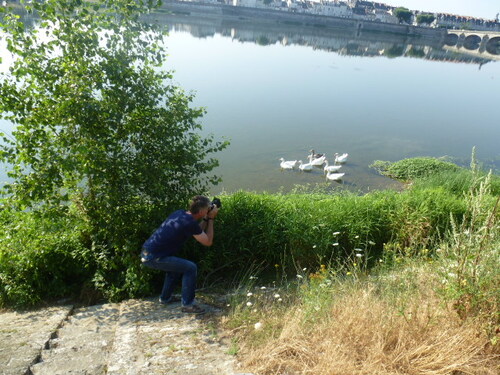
(207, 236)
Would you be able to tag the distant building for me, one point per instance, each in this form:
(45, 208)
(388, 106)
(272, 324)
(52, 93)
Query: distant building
(246, 3)
(332, 8)
(384, 16)
(362, 10)
(451, 21)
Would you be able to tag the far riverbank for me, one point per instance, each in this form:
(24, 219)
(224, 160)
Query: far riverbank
(204, 10)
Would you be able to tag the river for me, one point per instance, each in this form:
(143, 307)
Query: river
(280, 90)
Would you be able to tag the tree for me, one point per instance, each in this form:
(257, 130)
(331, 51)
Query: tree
(394, 51)
(415, 52)
(425, 18)
(403, 14)
(99, 127)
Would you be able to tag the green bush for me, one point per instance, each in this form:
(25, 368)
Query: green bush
(41, 258)
(308, 229)
(410, 169)
(98, 127)
(49, 256)
(423, 218)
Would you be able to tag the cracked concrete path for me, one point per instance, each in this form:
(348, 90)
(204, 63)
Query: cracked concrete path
(135, 337)
(23, 335)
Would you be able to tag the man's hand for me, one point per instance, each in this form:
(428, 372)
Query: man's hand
(213, 212)
(207, 236)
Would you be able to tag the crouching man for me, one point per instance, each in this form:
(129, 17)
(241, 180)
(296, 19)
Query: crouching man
(159, 250)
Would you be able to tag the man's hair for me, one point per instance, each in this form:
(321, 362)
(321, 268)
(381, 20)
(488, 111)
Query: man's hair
(198, 203)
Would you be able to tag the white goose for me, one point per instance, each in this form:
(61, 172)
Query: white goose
(305, 167)
(341, 158)
(331, 168)
(334, 176)
(314, 155)
(288, 164)
(317, 161)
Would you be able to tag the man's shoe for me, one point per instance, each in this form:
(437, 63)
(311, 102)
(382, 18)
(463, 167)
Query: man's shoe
(172, 299)
(193, 309)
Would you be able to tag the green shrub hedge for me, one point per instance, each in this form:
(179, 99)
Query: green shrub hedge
(308, 229)
(43, 257)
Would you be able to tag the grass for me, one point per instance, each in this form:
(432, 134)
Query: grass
(299, 228)
(455, 182)
(52, 256)
(392, 322)
(412, 168)
(425, 308)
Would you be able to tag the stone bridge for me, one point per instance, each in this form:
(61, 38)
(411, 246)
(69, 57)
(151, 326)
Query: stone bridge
(484, 44)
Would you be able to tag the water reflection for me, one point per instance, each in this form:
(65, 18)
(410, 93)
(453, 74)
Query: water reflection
(346, 41)
(349, 41)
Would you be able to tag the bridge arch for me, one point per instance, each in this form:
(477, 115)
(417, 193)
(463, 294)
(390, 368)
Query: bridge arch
(493, 46)
(472, 42)
(451, 39)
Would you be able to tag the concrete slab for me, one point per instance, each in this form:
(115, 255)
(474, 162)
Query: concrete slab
(134, 337)
(82, 344)
(23, 335)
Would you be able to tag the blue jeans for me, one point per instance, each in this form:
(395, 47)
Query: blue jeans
(176, 269)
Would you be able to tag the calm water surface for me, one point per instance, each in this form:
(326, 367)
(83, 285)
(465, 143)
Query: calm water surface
(277, 94)
(279, 100)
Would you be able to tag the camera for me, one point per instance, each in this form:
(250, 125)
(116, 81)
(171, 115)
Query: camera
(216, 202)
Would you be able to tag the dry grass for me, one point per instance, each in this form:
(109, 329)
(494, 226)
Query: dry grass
(363, 335)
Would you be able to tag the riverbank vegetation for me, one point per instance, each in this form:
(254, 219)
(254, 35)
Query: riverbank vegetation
(388, 282)
(429, 303)
(103, 144)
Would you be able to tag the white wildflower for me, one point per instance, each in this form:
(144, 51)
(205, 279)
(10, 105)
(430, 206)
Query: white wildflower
(276, 295)
(249, 294)
(336, 233)
(371, 243)
(279, 299)
(262, 288)
(335, 244)
(258, 326)
(249, 304)
(300, 276)
(359, 255)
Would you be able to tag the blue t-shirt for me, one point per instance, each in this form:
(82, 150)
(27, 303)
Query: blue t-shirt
(171, 235)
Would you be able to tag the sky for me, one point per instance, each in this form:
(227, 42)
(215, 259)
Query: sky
(475, 8)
